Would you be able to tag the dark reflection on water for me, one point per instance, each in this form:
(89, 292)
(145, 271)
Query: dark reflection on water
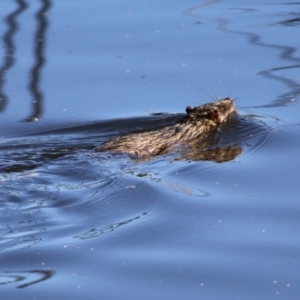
(39, 55)
(294, 19)
(10, 48)
(25, 279)
(192, 11)
(286, 53)
(291, 22)
(109, 228)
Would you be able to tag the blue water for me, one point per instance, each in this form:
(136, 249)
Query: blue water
(84, 224)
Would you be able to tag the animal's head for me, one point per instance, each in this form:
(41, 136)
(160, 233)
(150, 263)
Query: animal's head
(217, 111)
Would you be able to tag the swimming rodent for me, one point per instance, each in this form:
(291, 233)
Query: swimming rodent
(185, 133)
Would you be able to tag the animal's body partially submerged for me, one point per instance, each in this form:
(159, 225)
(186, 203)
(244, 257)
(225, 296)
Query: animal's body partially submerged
(196, 123)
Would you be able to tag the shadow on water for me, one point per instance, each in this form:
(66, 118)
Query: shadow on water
(25, 278)
(39, 56)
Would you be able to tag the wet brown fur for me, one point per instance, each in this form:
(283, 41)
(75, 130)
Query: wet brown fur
(197, 121)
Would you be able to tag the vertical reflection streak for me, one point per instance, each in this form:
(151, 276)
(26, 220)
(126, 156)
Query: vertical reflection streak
(39, 56)
(9, 48)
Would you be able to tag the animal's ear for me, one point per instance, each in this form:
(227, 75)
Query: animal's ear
(189, 110)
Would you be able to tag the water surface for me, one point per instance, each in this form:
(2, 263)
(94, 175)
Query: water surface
(86, 224)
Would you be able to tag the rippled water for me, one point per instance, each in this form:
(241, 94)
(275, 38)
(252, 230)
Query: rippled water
(89, 224)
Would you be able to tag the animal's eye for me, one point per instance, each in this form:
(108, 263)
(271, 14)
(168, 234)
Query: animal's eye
(222, 108)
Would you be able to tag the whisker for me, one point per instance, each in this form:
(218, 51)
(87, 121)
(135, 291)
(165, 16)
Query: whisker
(210, 96)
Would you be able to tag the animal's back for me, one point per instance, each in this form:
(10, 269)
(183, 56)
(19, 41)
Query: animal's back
(198, 121)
